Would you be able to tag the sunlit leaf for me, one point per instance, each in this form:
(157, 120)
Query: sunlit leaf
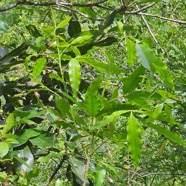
(134, 139)
(92, 105)
(38, 67)
(131, 51)
(4, 148)
(63, 23)
(100, 177)
(74, 75)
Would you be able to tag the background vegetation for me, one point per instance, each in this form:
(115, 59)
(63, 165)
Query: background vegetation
(92, 93)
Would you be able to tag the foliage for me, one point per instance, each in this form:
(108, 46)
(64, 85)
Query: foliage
(89, 100)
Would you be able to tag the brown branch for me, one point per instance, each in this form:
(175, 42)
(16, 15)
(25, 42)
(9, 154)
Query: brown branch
(79, 4)
(144, 8)
(159, 17)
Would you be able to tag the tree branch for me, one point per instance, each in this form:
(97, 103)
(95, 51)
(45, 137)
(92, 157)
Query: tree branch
(159, 17)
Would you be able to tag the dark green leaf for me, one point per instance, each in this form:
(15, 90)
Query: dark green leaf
(131, 82)
(33, 31)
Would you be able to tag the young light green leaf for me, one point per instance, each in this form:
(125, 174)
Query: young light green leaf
(63, 23)
(62, 106)
(4, 148)
(134, 139)
(132, 81)
(131, 51)
(168, 134)
(82, 40)
(100, 177)
(145, 55)
(157, 111)
(163, 72)
(38, 67)
(74, 75)
(92, 105)
(109, 119)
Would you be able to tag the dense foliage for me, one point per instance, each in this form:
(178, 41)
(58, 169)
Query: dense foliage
(92, 93)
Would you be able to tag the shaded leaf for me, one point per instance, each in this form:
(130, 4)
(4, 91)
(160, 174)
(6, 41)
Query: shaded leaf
(168, 134)
(33, 31)
(74, 28)
(62, 105)
(134, 139)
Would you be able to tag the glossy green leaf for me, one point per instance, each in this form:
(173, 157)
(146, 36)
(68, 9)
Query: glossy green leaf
(131, 82)
(100, 177)
(25, 160)
(92, 105)
(3, 27)
(157, 111)
(82, 40)
(74, 75)
(168, 134)
(4, 148)
(145, 55)
(131, 51)
(134, 139)
(63, 23)
(38, 67)
(163, 72)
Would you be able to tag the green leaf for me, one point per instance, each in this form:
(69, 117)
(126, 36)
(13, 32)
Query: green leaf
(168, 134)
(63, 23)
(43, 141)
(94, 86)
(3, 26)
(131, 51)
(74, 75)
(62, 106)
(106, 42)
(163, 72)
(38, 67)
(9, 123)
(83, 40)
(108, 21)
(101, 67)
(56, 76)
(145, 55)
(92, 105)
(109, 119)
(4, 148)
(145, 1)
(134, 139)
(33, 31)
(25, 159)
(131, 82)
(74, 28)
(157, 111)
(100, 177)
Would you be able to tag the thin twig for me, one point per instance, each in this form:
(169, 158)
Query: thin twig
(56, 170)
(86, 171)
(144, 8)
(148, 28)
(159, 17)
